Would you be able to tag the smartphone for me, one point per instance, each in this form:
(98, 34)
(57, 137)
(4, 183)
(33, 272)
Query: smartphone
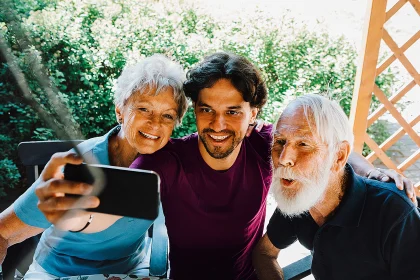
(123, 191)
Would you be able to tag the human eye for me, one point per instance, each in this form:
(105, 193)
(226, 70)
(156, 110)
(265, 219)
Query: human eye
(303, 144)
(143, 109)
(233, 112)
(280, 142)
(169, 117)
(205, 110)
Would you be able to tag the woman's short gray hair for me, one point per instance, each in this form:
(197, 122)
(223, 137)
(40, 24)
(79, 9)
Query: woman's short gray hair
(157, 72)
(332, 124)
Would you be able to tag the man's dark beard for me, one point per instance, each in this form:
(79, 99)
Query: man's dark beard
(217, 154)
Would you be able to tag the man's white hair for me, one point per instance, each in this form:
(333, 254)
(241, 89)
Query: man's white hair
(157, 72)
(332, 124)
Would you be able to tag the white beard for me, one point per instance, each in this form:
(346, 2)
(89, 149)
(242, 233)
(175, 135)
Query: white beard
(312, 188)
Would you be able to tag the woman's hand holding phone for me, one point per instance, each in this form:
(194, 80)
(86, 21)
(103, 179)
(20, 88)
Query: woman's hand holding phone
(65, 212)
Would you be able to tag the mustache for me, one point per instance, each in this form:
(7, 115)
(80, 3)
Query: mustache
(227, 131)
(289, 173)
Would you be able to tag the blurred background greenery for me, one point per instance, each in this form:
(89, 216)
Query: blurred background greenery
(84, 44)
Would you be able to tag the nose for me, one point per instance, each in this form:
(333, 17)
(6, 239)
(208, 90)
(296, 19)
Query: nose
(287, 156)
(154, 120)
(218, 122)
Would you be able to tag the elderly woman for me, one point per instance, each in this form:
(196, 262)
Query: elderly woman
(149, 102)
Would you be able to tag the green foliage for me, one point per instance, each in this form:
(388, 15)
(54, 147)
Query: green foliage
(84, 44)
(9, 175)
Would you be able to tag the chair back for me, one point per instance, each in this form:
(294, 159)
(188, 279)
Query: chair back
(299, 269)
(34, 155)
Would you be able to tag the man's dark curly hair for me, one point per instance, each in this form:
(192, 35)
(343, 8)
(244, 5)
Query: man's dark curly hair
(243, 75)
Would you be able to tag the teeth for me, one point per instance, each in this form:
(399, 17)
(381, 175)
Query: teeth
(219, 137)
(148, 135)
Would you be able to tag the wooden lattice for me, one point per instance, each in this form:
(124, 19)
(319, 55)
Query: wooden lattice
(365, 85)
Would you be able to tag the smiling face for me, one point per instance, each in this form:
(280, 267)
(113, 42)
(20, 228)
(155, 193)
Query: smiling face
(302, 163)
(223, 118)
(148, 120)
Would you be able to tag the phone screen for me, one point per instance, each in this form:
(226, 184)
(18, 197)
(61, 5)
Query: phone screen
(126, 192)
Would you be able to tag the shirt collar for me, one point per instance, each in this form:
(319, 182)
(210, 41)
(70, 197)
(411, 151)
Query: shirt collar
(100, 151)
(350, 210)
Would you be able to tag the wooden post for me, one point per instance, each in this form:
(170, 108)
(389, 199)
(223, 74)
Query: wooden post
(366, 71)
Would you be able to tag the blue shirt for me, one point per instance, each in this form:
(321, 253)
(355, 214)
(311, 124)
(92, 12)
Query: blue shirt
(373, 234)
(117, 249)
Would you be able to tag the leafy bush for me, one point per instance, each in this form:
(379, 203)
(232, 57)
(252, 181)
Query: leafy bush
(9, 175)
(84, 44)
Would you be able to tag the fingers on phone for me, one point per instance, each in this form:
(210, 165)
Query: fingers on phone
(58, 204)
(54, 165)
(58, 188)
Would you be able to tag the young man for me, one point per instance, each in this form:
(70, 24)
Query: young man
(357, 228)
(214, 183)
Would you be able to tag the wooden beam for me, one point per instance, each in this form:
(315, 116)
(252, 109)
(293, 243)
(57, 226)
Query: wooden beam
(394, 99)
(392, 57)
(381, 154)
(409, 161)
(401, 56)
(382, 97)
(366, 71)
(395, 9)
(393, 138)
(416, 5)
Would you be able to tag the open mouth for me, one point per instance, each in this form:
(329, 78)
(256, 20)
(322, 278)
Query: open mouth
(148, 136)
(287, 182)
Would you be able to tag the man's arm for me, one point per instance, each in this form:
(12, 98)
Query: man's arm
(13, 230)
(264, 259)
(360, 165)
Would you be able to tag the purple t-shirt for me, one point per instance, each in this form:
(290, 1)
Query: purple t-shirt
(214, 219)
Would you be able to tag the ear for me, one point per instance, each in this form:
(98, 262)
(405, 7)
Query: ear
(254, 113)
(342, 156)
(118, 113)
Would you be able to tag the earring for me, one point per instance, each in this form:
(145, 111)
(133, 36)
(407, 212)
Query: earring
(120, 120)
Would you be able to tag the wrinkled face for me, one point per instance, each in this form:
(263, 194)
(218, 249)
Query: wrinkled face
(148, 120)
(223, 118)
(302, 164)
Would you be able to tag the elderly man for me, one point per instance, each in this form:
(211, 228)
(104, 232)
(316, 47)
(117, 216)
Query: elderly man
(357, 228)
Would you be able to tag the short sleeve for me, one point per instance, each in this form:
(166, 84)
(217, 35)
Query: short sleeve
(26, 208)
(402, 247)
(280, 230)
(261, 142)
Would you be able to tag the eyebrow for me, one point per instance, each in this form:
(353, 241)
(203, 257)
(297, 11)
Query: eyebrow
(137, 103)
(202, 104)
(298, 135)
(235, 107)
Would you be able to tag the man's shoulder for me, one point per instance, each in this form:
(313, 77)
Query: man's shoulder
(387, 195)
(260, 142)
(386, 189)
(265, 133)
(179, 143)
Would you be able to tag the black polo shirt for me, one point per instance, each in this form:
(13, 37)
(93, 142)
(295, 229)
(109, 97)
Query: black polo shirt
(374, 234)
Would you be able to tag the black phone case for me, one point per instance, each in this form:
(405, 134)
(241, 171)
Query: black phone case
(126, 192)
